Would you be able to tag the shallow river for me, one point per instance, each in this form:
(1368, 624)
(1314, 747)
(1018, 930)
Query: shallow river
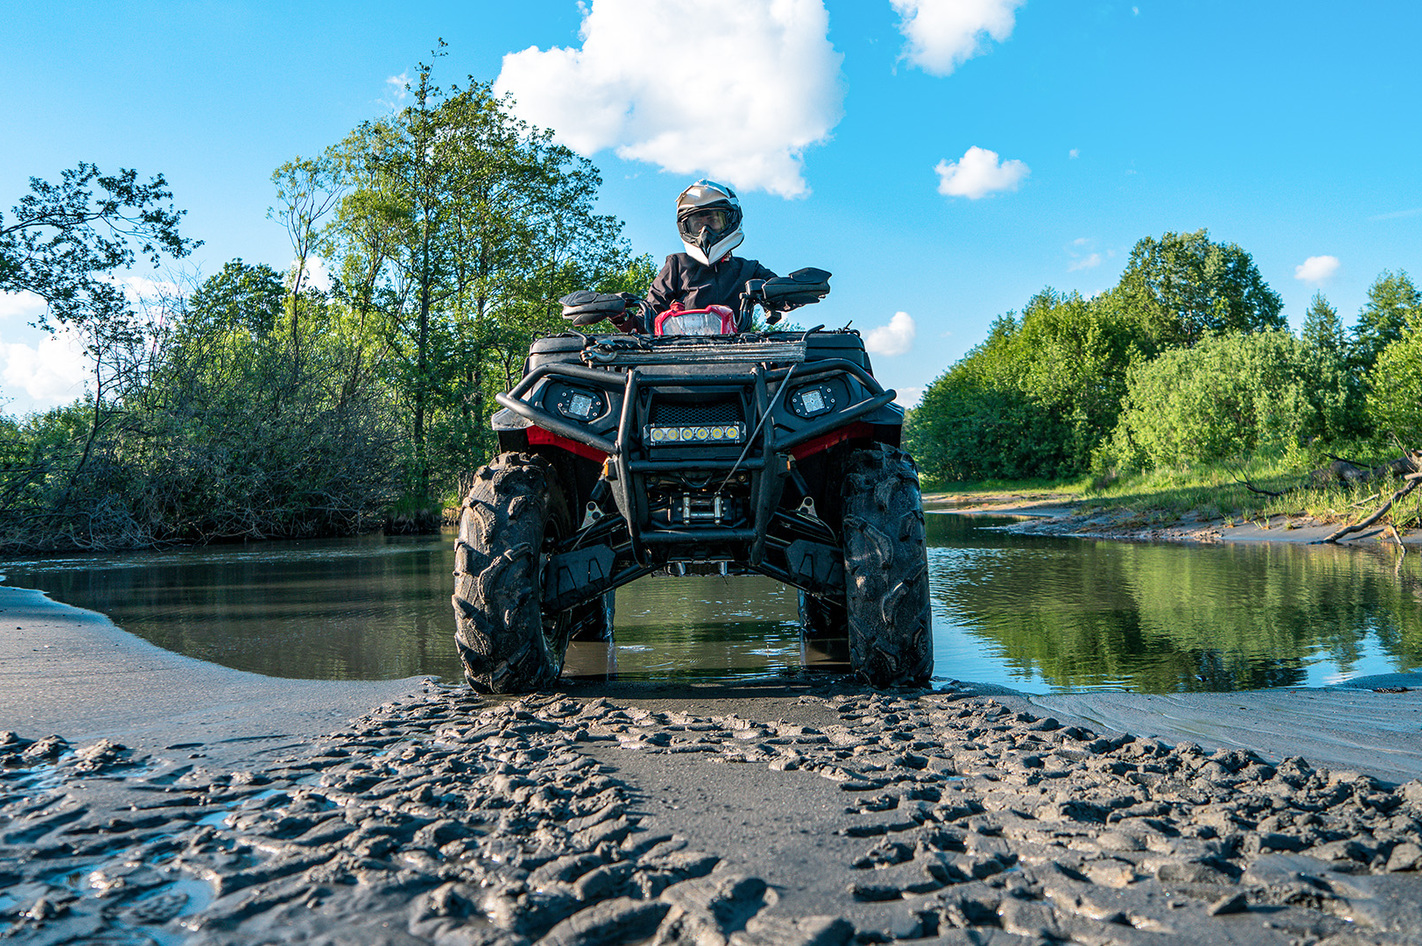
(1035, 614)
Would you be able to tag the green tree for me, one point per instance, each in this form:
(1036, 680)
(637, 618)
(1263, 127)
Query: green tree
(1322, 329)
(458, 228)
(1185, 286)
(307, 190)
(1394, 399)
(1035, 400)
(66, 240)
(1077, 354)
(249, 295)
(65, 243)
(974, 422)
(1392, 301)
(1336, 392)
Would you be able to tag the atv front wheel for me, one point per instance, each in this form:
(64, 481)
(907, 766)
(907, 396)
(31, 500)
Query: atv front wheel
(510, 522)
(886, 569)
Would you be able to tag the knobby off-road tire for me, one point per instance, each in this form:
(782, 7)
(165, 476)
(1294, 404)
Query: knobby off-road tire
(511, 518)
(886, 569)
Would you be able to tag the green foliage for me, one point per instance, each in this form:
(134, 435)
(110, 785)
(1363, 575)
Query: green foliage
(1322, 329)
(250, 296)
(1034, 400)
(1393, 301)
(1394, 404)
(1186, 359)
(66, 238)
(1225, 398)
(1185, 286)
(457, 228)
(260, 406)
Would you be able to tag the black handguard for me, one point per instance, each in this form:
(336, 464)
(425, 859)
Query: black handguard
(585, 307)
(783, 293)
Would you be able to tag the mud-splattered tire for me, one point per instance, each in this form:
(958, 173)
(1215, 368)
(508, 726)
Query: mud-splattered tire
(511, 518)
(886, 569)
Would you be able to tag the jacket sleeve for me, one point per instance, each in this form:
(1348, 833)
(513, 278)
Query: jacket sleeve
(760, 272)
(667, 287)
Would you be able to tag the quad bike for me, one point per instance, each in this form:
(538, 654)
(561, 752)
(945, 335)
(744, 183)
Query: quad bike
(719, 452)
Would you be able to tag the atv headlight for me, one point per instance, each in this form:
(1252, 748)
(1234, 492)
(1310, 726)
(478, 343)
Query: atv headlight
(813, 400)
(578, 404)
(700, 433)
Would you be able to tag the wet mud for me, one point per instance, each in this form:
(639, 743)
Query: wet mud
(820, 816)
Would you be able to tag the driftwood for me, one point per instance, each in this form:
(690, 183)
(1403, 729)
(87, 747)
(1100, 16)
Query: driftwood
(1341, 470)
(1346, 471)
(1410, 468)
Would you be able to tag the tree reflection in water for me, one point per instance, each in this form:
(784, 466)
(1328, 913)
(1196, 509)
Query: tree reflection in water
(1170, 618)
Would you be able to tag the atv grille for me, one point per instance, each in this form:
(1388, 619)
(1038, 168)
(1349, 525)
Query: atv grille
(671, 414)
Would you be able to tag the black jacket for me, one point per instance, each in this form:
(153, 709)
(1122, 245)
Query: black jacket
(696, 285)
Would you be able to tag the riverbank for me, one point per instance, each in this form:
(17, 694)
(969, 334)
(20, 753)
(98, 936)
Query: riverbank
(151, 798)
(1061, 514)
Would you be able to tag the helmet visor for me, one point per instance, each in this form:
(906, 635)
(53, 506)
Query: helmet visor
(707, 226)
(709, 219)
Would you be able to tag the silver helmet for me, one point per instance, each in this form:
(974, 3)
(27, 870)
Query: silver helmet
(708, 217)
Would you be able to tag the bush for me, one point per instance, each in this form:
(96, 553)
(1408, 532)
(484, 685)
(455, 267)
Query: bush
(1228, 397)
(1394, 405)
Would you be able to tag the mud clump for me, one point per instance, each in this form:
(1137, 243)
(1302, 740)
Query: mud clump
(453, 819)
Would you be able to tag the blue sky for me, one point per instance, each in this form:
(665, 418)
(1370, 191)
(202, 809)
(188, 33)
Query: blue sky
(945, 159)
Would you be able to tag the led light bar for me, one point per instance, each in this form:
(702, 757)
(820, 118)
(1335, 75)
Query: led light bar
(714, 433)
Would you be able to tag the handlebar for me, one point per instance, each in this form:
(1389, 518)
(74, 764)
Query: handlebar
(775, 296)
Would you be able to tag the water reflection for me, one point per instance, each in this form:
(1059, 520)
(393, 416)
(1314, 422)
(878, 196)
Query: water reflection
(1035, 614)
(1163, 618)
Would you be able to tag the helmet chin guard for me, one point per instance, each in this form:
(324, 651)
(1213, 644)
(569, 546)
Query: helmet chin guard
(716, 251)
(708, 219)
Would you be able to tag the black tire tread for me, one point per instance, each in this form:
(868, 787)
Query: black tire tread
(499, 625)
(886, 569)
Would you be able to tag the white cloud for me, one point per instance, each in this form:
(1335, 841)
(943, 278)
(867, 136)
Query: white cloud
(1398, 214)
(892, 339)
(47, 375)
(1074, 153)
(1084, 262)
(1316, 268)
(737, 91)
(316, 275)
(25, 306)
(396, 91)
(909, 397)
(944, 34)
(979, 172)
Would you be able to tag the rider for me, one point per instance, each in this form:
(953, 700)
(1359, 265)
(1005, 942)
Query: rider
(708, 217)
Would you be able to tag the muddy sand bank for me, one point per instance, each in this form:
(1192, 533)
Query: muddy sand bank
(1058, 515)
(149, 798)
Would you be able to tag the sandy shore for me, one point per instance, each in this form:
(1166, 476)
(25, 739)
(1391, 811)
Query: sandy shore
(1053, 514)
(150, 798)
